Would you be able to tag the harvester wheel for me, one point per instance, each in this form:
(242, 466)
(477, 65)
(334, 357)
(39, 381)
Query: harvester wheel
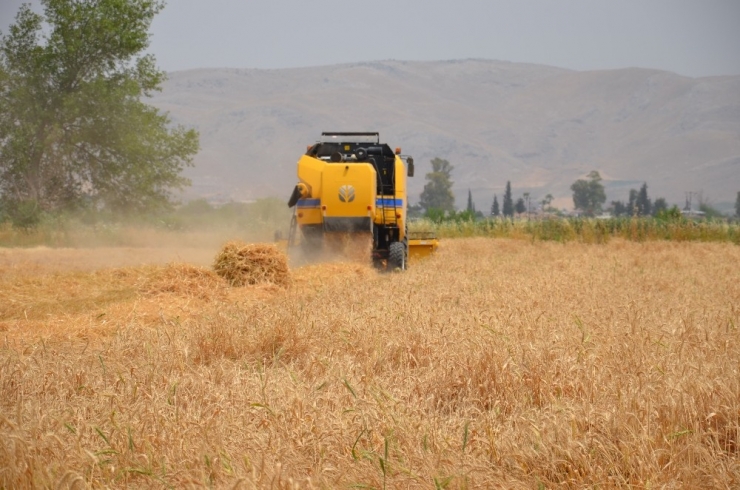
(397, 256)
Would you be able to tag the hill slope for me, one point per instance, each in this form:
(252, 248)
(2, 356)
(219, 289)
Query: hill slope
(537, 126)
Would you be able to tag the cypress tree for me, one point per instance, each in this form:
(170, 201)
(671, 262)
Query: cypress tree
(508, 202)
(496, 212)
(644, 206)
(471, 204)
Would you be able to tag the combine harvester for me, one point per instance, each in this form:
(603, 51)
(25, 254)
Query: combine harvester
(350, 184)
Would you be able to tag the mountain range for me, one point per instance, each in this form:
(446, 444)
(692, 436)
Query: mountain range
(539, 127)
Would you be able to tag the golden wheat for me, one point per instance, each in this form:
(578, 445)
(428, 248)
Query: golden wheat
(495, 363)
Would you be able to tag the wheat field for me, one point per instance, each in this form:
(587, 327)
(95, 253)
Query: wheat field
(494, 364)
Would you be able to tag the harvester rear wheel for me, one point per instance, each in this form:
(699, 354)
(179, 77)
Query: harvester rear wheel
(397, 256)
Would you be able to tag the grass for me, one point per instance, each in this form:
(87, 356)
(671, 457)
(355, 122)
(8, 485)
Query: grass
(495, 363)
(586, 230)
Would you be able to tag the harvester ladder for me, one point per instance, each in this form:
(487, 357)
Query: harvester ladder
(384, 201)
(395, 207)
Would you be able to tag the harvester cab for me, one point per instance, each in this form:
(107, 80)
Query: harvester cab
(351, 183)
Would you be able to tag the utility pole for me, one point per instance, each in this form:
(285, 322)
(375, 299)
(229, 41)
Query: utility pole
(689, 195)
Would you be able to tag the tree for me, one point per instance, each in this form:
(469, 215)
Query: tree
(437, 193)
(508, 210)
(659, 206)
(73, 128)
(520, 207)
(546, 202)
(589, 195)
(526, 198)
(471, 204)
(632, 209)
(495, 212)
(710, 211)
(643, 204)
(414, 211)
(737, 205)
(670, 214)
(619, 208)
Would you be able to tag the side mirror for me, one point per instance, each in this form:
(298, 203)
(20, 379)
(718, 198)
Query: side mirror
(410, 164)
(294, 197)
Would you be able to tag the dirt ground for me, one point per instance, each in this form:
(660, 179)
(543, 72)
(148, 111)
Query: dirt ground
(40, 259)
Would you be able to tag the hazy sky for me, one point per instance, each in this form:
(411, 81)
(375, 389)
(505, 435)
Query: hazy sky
(689, 37)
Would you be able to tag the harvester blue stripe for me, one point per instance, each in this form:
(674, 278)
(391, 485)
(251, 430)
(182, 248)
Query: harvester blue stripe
(389, 202)
(309, 203)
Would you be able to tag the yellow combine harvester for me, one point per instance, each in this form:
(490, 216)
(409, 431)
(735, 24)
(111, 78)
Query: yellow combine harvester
(350, 183)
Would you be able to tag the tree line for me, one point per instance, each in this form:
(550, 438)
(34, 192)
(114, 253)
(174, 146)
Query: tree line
(437, 199)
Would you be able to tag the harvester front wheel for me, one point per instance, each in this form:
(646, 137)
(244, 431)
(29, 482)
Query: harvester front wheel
(397, 256)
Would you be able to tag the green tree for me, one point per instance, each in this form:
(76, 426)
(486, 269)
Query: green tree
(520, 207)
(508, 210)
(632, 209)
(546, 201)
(73, 128)
(619, 208)
(463, 216)
(710, 211)
(471, 204)
(589, 195)
(670, 214)
(437, 193)
(414, 211)
(660, 206)
(737, 205)
(494, 207)
(644, 206)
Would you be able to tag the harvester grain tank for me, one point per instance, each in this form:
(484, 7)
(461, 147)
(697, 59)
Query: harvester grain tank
(351, 183)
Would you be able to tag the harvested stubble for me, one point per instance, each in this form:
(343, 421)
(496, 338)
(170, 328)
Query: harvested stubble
(184, 280)
(243, 264)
